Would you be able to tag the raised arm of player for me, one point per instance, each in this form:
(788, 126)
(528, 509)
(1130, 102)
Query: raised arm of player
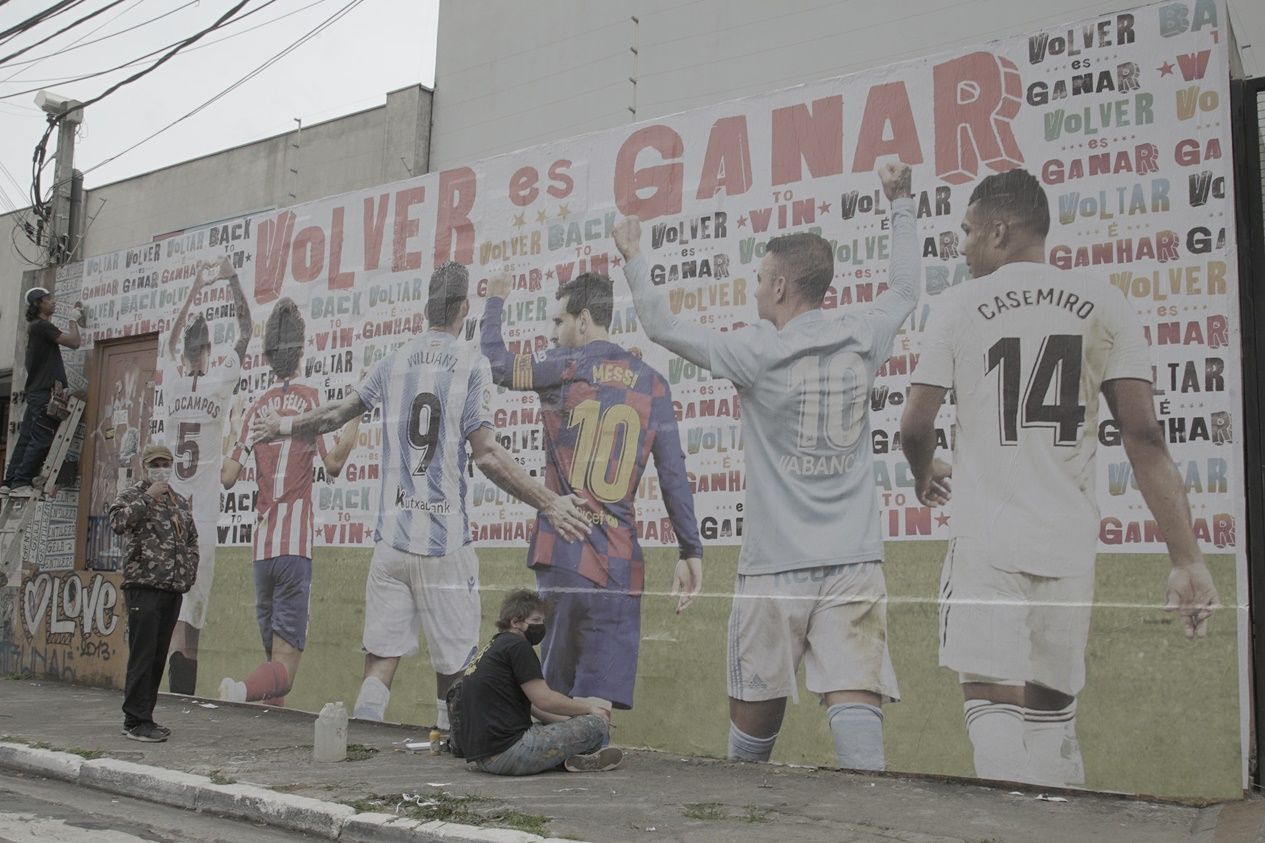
(525, 371)
(323, 419)
(678, 498)
(201, 278)
(240, 306)
(1191, 592)
(499, 466)
(336, 458)
(904, 276)
(918, 439)
(680, 336)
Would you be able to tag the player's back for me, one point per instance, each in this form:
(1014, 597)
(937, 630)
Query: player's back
(433, 392)
(1030, 347)
(197, 408)
(806, 425)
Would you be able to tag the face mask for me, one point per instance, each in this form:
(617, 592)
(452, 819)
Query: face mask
(159, 475)
(535, 633)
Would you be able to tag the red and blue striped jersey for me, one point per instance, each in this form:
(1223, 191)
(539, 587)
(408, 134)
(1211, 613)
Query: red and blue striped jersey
(605, 412)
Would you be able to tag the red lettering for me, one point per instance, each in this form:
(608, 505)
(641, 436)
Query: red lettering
(887, 105)
(975, 96)
(727, 165)
(375, 227)
(338, 280)
(802, 137)
(456, 197)
(564, 184)
(663, 180)
(308, 257)
(272, 251)
(401, 258)
(523, 186)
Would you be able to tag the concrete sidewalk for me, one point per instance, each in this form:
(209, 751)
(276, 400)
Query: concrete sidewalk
(654, 796)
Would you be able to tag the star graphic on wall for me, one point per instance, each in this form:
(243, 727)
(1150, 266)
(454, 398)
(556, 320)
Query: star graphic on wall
(942, 520)
(823, 208)
(563, 212)
(616, 261)
(1166, 69)
(742, 222)
(542, 215)
(549, 274)
(520, 220)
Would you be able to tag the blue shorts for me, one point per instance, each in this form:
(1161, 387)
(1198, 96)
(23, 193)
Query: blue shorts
(283, 587)
(593, 637)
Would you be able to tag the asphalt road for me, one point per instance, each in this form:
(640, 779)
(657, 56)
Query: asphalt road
(34, 809)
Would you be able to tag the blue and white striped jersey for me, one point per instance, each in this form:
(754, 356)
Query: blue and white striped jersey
(433, 393)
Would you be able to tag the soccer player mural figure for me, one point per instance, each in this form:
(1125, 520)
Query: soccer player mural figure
(604, 412)
(1027, 348)
(198, 386)
(285, 523)
(435, 395)
(810, 584)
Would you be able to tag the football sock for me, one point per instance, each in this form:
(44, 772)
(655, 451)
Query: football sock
(858, 734)
(269, 680)
(743, 747)
(183, 674)
(1054, 754)
(996, 731)
(441, 716)
(372, 702)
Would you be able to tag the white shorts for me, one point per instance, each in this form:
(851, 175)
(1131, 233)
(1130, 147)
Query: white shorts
(1013, 626)
(193, 607)
(406, 594)
(833, 618)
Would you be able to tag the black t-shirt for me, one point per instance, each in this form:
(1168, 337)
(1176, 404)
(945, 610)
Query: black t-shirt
(43, 356)
(495, 710)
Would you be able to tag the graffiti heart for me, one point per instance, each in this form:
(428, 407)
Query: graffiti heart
(69, 602)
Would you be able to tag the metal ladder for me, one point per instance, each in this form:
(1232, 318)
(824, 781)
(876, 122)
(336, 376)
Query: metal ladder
(18, 511)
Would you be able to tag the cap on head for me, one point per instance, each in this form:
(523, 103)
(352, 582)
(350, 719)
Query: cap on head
(35, 294)
(155, 451)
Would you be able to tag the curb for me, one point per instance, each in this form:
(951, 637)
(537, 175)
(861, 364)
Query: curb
(329, 820)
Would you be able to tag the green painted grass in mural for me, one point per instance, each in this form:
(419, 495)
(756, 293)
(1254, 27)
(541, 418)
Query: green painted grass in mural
(1159, 716)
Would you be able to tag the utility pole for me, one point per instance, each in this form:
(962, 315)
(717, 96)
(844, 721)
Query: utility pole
(63, 239)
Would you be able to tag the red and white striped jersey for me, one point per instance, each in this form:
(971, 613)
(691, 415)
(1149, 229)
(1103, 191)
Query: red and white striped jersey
(284, 515)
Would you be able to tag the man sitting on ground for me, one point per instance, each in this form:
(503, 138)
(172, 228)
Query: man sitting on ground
(503, 688)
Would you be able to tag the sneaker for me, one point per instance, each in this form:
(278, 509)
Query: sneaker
(146, 733)
(157, 727)
(595, 762)
(4, 491)
(232, 691)
(22, 492)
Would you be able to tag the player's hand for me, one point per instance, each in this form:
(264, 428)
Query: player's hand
(897, 179)
(234, 423)
(688, 582)
(1192, 594)
(265, 427)
(936, 488)
(158, 491)
(500, 285)
(628, 237)
(202, 276)
(564, 512)
(225, 267)
(77, 315)
(604, 713)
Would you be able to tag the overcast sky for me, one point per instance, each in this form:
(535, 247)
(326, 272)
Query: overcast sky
(377, 46)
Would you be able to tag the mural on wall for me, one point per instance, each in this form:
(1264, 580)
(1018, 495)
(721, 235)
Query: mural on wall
(746, 338)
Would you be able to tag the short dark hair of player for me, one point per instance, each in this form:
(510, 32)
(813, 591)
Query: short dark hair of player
(449, 287)
(1015, 196)
(283, 339)
(197, 338)
(590, 291)
(519, 605)
(808, 261)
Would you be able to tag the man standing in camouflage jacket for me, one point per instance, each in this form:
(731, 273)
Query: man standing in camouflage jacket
(159, 566)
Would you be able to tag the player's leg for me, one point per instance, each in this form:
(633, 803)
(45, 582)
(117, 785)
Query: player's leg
(559, 649)
(263, 573)
(446, 589)
(767, 625)
(984, 637)
(1060, 631)
(390, 632)
(288, 580)
(607, 643)
(184, 641)
(847, 660)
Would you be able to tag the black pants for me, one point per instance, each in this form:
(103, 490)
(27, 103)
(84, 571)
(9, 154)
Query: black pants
(151, 616)
(35, 439)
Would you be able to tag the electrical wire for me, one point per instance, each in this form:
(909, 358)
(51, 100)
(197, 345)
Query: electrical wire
(36, 19)
(27, 64)
(107, 7)
(276, 57)
(77, 45)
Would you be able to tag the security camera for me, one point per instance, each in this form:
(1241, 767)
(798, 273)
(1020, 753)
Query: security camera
(57, 105)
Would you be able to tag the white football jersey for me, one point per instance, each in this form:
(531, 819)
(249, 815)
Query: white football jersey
(197, 412)
(1027, 350)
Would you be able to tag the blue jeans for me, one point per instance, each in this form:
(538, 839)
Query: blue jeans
(35, 439)
(544, 747)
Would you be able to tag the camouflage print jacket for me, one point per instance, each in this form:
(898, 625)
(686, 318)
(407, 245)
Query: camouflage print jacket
(161, 539)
